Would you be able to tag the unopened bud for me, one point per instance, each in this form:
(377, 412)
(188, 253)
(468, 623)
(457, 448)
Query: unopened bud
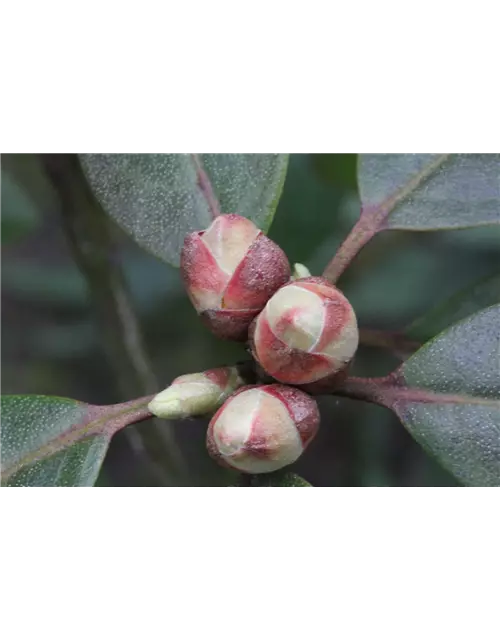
(306, 334)
(260, 429)
(196, 393)
(300, 271)
(230, 271)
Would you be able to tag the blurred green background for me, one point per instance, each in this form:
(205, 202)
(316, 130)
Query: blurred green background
(52, 341)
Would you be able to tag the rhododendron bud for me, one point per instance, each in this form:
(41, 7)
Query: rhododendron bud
(307, 333)
(230, 271)
(262, 428)
(196, 393)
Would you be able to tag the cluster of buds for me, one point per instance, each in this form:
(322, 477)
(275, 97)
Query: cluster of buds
(302, 331)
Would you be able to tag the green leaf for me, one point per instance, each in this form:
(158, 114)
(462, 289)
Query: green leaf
(50, 441)
(77, 466)
(482, 293)
(279, 479)
(159, 198)
(448, 396)
(430, 191)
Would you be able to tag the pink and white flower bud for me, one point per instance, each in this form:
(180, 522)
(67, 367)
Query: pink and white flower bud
(260, 429)
(230, 271)
(306, 334)
(196, 393)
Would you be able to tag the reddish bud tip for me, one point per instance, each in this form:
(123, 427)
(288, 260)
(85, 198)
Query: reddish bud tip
(230, 271)
(260, 429)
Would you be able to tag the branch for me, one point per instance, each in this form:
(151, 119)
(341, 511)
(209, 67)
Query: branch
(392, 390)
(374, 219)
(366, 389)
(89, 234)
(363, 231)
(398, 343)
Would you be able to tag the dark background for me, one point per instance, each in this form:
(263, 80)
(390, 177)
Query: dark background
(53, 343)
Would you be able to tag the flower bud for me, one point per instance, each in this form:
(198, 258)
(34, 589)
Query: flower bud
(300, 271)
(230, 271)
(196, 393)
(262, 428)
(307, 333)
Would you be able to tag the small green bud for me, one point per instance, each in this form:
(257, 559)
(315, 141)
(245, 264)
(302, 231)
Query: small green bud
(195, 394)
(300, 271)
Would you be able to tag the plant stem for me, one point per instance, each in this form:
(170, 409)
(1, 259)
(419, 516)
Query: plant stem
(89, 234)
(367, 389)
(392, 390)
(360, 234)
(394, 341)
(121, 415)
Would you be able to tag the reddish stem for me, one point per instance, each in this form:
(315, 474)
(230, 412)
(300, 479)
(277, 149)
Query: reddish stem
(363, 231)
(206, 186)
(118, 416)
(368, 389)
(396, 342)
(392, 391)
